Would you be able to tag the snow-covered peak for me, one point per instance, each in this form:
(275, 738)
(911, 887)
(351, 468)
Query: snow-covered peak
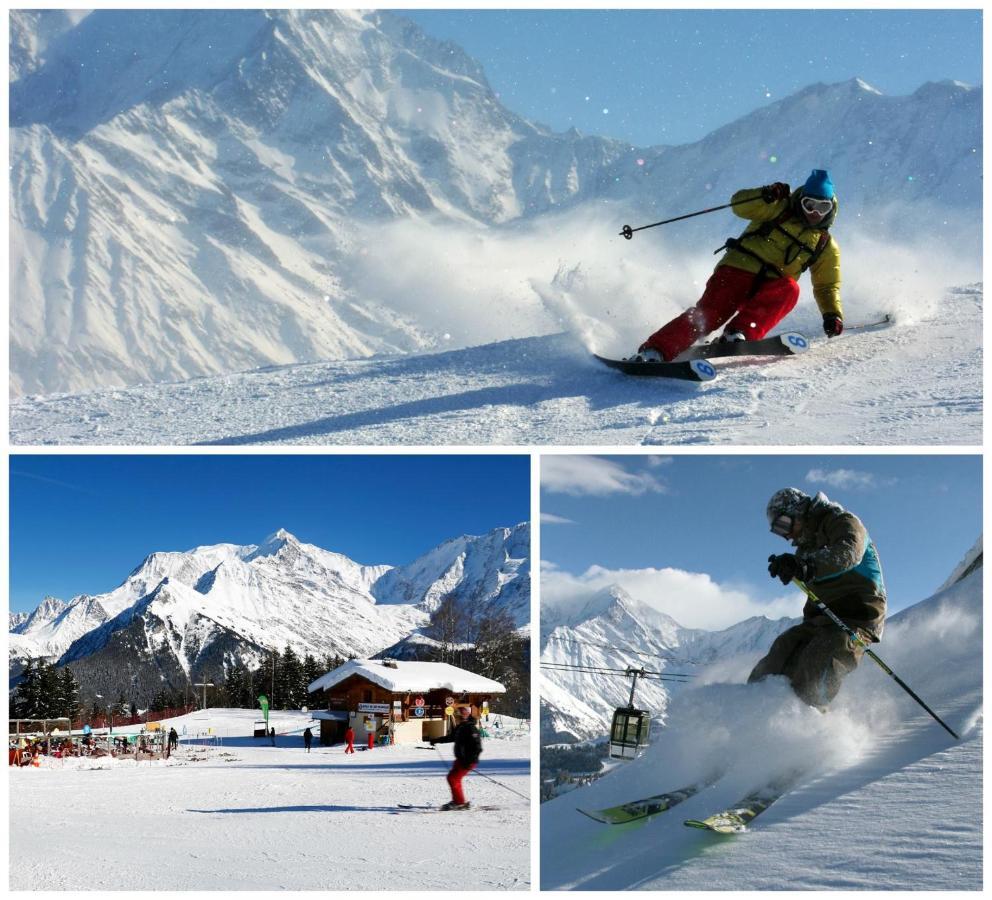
(47, 611)
(273, 544)
(972, 561)
(490, 570)
(864, 86)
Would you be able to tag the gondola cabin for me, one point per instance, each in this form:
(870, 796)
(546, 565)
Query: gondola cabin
(629, 732)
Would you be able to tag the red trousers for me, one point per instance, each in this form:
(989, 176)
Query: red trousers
(350, 748)
(726, 301)
(458, 771)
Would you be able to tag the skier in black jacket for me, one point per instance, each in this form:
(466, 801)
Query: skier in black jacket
(468, 748)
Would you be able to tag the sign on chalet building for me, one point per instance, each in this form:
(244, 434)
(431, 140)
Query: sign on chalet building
(395, 700)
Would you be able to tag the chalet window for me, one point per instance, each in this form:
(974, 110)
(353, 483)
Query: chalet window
(367, 696)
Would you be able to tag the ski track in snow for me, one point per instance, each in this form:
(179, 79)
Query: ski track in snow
(249, 816)
(915, 382)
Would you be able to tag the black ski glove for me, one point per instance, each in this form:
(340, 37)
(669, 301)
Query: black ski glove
(772, 193)
(785, 567)
(833, 324)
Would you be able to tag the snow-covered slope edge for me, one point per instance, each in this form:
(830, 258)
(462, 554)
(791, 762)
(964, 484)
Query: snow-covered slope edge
(915, 382)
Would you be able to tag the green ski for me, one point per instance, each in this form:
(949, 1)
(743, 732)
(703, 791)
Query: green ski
(736, 818)
(648, 806)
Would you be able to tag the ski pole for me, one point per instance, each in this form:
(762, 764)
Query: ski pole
(500, 783)
(628, 232)
(829, 613)
(493, 780)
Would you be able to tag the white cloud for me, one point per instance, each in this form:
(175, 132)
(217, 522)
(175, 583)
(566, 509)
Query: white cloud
(583, 475)
(846, 478)
(655, 461)
(551, 519)
(693, 599)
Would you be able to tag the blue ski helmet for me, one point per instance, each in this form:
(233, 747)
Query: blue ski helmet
(819, 185)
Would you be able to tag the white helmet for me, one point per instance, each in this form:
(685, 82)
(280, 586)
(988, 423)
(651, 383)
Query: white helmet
(784, 508)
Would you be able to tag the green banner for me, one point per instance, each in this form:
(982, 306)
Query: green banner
(263, 701)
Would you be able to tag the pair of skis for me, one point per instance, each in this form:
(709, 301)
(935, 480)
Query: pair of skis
(435, 809)
(695, 365)
(732, 820)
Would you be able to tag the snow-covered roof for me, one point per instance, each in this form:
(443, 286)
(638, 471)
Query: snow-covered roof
(401, 675)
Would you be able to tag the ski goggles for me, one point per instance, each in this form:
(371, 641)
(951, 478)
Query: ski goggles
(816, 205)
(782, 525)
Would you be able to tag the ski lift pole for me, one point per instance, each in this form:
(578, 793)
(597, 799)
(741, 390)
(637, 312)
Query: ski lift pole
(633, 686)
(628, 232)
(864, 644)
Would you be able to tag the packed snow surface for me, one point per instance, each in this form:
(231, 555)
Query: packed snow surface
(917, 381)
(244, 815)
(890, 800)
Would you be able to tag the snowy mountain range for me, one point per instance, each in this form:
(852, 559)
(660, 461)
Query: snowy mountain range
(181, 614)
(613, 630)
(199, 192)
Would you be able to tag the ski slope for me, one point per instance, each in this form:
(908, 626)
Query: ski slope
(248, 816)
(892, 801)
(915, 382)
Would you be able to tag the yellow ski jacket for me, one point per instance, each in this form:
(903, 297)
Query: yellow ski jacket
(785, 246)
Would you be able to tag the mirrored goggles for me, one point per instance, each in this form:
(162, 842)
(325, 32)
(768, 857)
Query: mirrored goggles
(816, 205)
(782, 525)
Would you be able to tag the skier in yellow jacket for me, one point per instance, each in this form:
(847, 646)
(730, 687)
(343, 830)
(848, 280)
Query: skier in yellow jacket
(754, 285)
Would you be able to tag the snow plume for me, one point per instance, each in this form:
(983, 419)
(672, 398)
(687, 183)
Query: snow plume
(907, 272)
(757, 732)
(935, 642)
(693, 599)
(463, 285)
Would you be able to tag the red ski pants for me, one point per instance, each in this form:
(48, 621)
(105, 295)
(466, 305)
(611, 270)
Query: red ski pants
(726, 300)
(458, 771)
(350, 748)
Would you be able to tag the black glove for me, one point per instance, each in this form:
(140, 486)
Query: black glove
(833, 324)
(785, 567)
(772, 193)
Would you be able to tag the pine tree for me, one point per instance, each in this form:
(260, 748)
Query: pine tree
(234, 687)
(311, 672)
(69, 695)
(289, 678)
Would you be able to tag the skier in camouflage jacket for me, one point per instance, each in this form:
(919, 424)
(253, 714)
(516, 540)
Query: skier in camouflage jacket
(836, 558)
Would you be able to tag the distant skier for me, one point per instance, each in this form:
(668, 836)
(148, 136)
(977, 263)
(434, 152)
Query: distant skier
(307, 739)
(173, 739)
(272, 736)
(468, 749)
(754, 284)
(349, 737)
(836, 558)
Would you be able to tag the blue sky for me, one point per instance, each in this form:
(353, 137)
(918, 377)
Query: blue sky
(80, 524)
(672, 76)
(706, 514)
